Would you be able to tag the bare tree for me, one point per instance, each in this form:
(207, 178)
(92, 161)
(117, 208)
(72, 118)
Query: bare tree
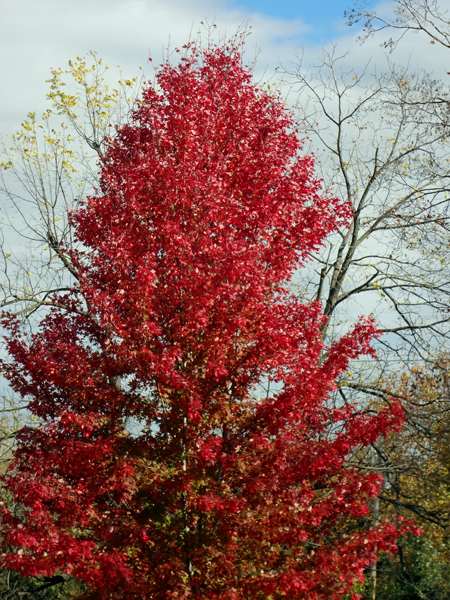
(382, 141)
(426, 16)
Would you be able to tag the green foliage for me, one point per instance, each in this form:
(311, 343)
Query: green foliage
(419, 572)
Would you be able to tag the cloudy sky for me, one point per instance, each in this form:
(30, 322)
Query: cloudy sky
(38, 35)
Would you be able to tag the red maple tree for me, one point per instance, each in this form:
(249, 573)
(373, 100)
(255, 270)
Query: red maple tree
(158, 470)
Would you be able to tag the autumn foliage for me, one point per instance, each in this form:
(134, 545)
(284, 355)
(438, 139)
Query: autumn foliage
(187, 445)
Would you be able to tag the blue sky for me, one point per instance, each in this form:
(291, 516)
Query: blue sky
(325, 18)
(321, 13)
(293, 8)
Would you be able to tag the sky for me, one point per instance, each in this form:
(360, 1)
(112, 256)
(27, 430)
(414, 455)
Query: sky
(38, 35)
(289, 9)
(324, 18)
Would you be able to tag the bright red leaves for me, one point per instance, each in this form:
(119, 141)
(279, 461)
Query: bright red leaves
(191, 479)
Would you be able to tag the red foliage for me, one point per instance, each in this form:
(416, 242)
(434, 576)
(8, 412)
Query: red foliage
(184, 483)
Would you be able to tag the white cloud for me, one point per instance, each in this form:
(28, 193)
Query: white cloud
(35, 36)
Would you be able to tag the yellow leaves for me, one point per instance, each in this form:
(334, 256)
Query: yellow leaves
(45, 154)
(94, 106)
(50, 140)
(31, 124)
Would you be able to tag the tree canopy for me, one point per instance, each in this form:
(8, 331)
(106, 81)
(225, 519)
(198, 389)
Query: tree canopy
(185, 444)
